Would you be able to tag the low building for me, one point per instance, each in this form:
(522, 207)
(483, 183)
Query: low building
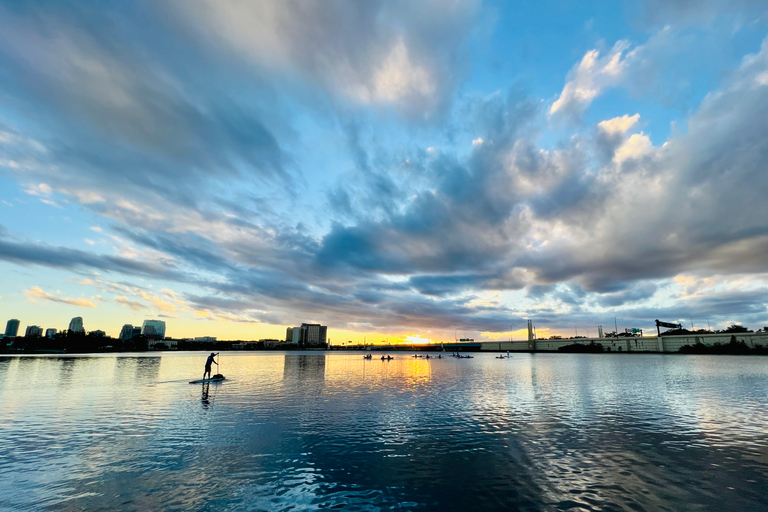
(270, 344)
(50, 332)
(205, 339)
(163, 344)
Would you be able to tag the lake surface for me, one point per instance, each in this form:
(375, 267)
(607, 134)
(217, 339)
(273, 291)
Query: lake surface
(312, 431)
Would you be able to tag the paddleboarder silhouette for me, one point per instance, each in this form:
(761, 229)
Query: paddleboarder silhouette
(208, 363)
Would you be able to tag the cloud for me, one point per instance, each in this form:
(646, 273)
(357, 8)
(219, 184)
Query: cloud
(37, 293)
(62, 257)
(618, 125)
(590, 77)
(398, 53)
(132, 304)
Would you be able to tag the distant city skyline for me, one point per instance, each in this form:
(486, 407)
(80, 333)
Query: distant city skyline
(393, 170)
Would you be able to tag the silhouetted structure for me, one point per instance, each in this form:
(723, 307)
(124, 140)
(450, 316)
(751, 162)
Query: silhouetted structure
(34, 330)
(660, 324)
(128, 332)
(153, 329)
(308, 335)
(12, 328)
(76, 324)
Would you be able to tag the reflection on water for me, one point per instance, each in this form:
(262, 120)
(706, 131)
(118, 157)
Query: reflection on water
(304, 367)
(308, 431)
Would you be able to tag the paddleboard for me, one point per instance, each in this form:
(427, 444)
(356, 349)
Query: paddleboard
(201, 381)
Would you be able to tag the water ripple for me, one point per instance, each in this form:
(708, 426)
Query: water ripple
(332, 431)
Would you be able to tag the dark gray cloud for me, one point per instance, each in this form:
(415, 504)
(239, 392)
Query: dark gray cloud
(31, 253)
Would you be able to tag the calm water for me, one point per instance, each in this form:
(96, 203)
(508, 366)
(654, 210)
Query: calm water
(332, 431)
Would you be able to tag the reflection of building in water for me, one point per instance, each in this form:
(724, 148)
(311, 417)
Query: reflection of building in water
(304, 367)
(308, 335)
(153, 328)
(76, 324)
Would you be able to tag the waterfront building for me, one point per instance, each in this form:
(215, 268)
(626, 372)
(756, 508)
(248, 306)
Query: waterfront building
(205, 338)
(154, 328)
(289, 334)
(98, 333)
(50, 332)
(34, 330)
(12, 328)
(128, 332)
(308, 335)
(76, 324)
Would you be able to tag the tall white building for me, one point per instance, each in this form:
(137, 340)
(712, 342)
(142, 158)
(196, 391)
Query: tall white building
(76, 324)
(153, 328)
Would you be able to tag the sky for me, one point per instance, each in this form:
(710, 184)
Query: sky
(394, 170)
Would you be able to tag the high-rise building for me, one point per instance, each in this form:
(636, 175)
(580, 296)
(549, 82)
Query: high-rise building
(12, 328)
(308, 335)
(76, 324)
(50, 332)
(289, 334)
(126, 333)
(154, 328)
(34, 330)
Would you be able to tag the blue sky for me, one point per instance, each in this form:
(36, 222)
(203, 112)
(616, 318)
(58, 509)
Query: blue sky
(385, 168)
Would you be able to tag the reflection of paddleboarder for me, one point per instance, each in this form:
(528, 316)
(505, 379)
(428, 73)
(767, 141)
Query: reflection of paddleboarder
(208, 365)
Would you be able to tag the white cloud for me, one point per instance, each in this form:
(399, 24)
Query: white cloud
(40, 190)
(477, 142)
(398, 78)
(636, 146)
(403, 53)
(618, 125)
(36, 292)
(590, 77)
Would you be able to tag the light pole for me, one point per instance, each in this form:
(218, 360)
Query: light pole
(615, 325)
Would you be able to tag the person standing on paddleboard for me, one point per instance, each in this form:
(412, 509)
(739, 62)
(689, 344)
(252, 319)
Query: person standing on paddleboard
(208, 365)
